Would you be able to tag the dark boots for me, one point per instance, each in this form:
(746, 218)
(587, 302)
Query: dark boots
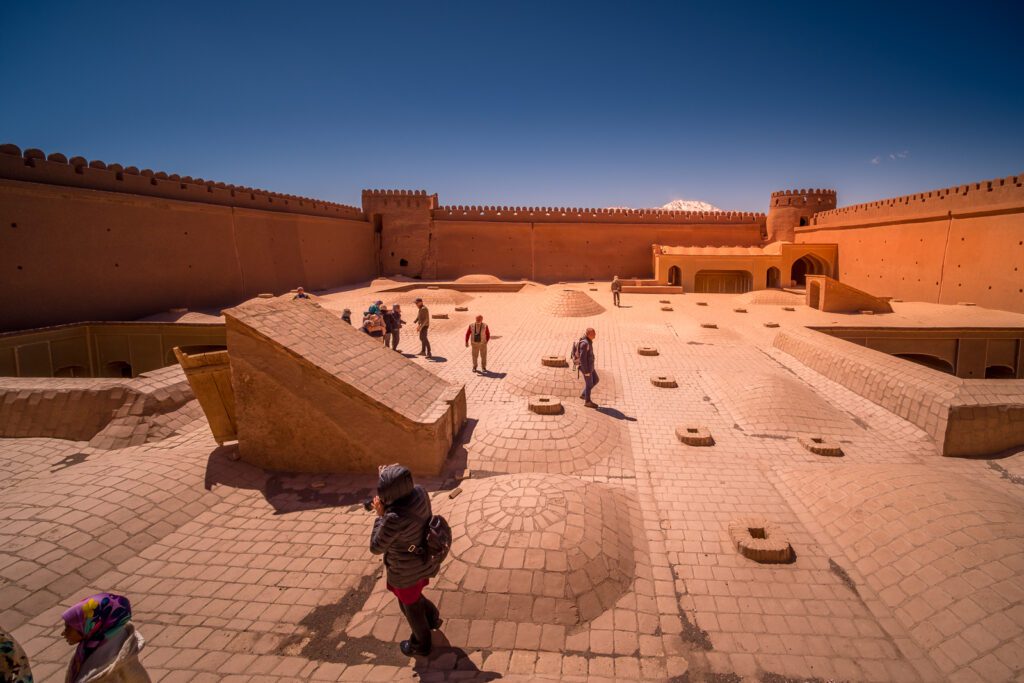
(423, 616)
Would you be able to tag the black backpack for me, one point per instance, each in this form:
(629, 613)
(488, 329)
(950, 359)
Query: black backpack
(437, 544)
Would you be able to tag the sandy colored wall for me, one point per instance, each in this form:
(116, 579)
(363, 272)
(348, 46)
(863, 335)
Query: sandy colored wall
(554, 251)
(72, 254)
(961, 244)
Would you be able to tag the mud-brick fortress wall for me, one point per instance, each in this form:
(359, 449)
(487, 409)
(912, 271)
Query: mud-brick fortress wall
(547, 244)
(91, 241)
(959, 244)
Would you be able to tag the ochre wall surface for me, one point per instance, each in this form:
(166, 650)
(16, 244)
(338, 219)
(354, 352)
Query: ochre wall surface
(420, 239)
(960, 244)
(73, 254)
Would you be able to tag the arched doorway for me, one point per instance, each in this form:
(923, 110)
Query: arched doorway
(118, 368)
(808, 264)
(773, 280)
(675, 276)
(999, 372)
(929, 361)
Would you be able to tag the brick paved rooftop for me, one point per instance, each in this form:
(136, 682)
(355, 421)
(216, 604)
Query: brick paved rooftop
(590, 545)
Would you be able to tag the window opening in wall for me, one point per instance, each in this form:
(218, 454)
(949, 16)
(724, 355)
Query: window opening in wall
(803, 221)
(118, 368)
(773, 279)
(999, 372)
(403, 262)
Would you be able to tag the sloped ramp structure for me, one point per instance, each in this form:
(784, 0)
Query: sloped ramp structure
(313, 394)
(832, 296)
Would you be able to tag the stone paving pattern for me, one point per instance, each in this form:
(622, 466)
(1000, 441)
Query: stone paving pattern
(907, 565)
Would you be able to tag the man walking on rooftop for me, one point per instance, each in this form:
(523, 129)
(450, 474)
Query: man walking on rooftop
(479, 334)
(616, 290)
(585, 351)
(423, 327)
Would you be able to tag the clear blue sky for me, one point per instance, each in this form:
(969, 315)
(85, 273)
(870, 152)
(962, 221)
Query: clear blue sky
(549, 103)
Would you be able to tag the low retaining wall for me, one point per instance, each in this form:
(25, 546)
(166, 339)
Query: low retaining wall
(964, 417)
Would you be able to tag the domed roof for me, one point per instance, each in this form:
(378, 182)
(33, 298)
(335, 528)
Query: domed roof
(572, 442)
(570, 303)
(561, 548)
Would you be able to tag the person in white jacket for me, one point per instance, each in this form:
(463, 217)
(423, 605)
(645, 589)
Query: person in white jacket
(108, 644)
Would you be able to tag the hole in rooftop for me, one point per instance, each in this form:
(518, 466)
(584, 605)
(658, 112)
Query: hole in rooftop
(817, 439)
(757, 532)
(691, 430)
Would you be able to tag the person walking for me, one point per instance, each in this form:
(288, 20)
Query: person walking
(423, 327)
(479, 334)
(587, 366)
(616, 290)
(399, 532)
(108, 644)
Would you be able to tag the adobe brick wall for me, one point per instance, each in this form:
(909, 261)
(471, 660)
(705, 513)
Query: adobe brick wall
(963, 416)
(90, 246)
(963, 243)
(547, 244)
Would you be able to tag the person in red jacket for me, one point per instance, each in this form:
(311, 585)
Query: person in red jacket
(479, 334)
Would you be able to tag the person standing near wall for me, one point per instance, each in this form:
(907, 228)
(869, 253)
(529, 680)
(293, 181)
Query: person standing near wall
(616, 290)
(479, 334)
(300, 293)
(423, 327)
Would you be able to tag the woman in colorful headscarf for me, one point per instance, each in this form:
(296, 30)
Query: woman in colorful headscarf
(14, 666)
(108, 644)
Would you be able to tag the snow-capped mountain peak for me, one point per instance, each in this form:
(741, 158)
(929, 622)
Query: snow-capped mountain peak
(689, 205)
(679, 205)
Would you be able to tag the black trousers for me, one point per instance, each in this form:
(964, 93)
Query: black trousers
(615, 298)
(391, 338)
(422, 615)
(424, 342)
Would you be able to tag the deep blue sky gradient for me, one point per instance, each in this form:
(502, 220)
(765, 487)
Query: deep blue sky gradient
(547, 103)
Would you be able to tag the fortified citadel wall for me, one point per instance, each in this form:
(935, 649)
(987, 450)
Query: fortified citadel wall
(546, 244)
(94, 241)
(84, 240)
(958, 244)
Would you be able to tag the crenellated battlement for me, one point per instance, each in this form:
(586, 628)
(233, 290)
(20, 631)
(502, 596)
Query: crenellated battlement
(376, 201)
(33, 165)
(815, 199)
(542, 214)
(985, 195)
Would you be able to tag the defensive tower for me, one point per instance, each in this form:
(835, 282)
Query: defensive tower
(790, 209)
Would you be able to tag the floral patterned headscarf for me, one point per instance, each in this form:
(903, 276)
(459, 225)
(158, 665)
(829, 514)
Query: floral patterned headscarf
(97, 618)
(13, 662)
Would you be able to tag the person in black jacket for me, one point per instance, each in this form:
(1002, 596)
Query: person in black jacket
(399, 533)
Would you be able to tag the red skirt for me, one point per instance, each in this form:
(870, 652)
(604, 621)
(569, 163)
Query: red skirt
(410, 594)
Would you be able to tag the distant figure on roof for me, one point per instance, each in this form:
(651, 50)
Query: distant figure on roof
(423, 327)
(616, 290)
(479, 334)
(393, 327)
(346, 315)
(300, 293)
(108, 644)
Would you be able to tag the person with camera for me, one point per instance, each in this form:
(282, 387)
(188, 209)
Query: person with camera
(400, 534)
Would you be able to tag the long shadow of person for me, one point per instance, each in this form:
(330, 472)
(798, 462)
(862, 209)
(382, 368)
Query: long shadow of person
(448, 662)
(617, 414)
(490, 374)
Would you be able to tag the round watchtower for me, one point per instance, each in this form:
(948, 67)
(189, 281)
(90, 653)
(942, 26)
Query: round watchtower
(791, 209)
